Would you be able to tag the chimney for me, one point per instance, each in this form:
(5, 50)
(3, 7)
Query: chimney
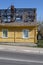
(12, 13)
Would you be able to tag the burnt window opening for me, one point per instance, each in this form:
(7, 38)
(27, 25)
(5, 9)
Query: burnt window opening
(29, 19)
(6, 19)
(18, 18)
(5, 16)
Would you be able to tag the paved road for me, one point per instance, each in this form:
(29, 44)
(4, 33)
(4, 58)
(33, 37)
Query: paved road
(16, 58)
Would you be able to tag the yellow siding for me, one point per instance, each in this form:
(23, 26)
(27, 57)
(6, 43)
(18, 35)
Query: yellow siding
(15, 34)
(7, 40)
(25, 40)
(19, 37)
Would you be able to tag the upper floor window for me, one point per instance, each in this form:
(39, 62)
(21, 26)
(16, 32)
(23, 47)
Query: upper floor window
(6, 19)
(18, 18)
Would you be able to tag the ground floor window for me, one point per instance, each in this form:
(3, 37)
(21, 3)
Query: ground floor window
(4, 33)
(25, 33)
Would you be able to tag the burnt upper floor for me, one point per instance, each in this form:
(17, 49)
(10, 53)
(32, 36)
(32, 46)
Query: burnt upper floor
(13, 14)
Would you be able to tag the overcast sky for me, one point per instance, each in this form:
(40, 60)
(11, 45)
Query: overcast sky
(25, 4)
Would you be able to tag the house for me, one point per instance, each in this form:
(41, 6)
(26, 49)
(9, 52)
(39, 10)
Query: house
(18, 25)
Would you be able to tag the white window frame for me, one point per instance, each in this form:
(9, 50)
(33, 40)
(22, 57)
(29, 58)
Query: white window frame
(23, 34)
(2, 33)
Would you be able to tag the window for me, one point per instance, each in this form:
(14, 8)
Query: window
(5, 20)
(25, 33)
(8, 19)
(18, 18)
(5, 33)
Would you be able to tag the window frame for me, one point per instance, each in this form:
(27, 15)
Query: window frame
(2, 33)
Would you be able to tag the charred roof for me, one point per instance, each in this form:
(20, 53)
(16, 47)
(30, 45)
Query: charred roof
(13, 14)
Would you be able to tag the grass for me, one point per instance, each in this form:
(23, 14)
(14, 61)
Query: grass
(40, 43)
